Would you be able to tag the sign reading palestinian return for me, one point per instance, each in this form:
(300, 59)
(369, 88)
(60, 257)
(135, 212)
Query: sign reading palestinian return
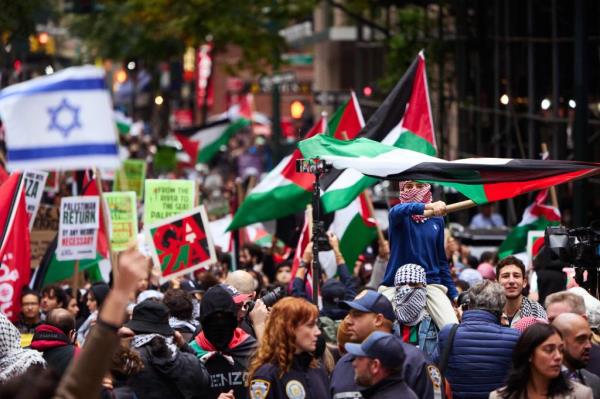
(35, 181)
(78, 228)
(181, 244)
(165, 198)
(123, 219)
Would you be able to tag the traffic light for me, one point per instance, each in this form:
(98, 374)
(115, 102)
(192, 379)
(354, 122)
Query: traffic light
(297, 109)
(367, 91)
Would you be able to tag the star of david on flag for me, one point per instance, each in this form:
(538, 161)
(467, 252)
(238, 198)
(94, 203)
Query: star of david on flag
(61, 121)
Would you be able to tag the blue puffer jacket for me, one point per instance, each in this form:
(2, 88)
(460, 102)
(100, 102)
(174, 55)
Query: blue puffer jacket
(481, 354)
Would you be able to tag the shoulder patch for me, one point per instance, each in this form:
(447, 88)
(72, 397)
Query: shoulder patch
(435, 376)
(259, 389)
(295, 390)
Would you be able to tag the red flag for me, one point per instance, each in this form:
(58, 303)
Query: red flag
(3, 174)
(14, 245)
(90, 188)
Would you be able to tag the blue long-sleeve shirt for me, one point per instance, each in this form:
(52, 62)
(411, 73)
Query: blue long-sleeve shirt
(420, 243)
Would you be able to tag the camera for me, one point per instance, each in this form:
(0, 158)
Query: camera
(322, 239)
(579, 247)
(315, 166)
(269, 299)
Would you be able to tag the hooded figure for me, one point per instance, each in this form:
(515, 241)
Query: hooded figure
(167, 372)
(222, 346)
(14, 360)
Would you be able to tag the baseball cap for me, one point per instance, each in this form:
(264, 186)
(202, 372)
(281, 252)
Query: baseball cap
(380, 345)
(371, 302)
(237, 296)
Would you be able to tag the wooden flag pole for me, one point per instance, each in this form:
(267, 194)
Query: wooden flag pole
(553, 196)
(458, 206)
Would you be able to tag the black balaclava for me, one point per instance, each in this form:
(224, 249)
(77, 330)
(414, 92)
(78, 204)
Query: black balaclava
(219, 329)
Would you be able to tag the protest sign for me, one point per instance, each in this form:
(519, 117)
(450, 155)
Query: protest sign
(166, 198)
(131, 177)
(44, 230)
(181, 244)
(52, 181)
(78, 228)
(35, 181)
(123, 218)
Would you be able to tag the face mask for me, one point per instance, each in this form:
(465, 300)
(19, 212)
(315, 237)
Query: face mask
(410, 304)
(219, 330)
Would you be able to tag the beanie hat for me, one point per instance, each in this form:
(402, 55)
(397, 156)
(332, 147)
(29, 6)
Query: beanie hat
(487, 271)
(410, 273)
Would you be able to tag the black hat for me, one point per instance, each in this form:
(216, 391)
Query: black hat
(100, 292)
(150, 317)
(333, 292)
(217, 299)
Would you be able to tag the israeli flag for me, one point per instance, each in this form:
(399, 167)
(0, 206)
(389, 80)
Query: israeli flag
(64, 121)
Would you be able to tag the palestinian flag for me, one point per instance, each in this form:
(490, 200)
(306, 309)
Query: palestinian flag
(305, 237)
(14, 245)
(123, 122)
(210, 138)
(51, 270)
(536, 216)
(355, 227)
(480, 179)
(403, 120)
(284, 191)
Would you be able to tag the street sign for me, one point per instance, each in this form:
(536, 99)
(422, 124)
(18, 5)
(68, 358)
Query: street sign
(281, 78)
(331, 97)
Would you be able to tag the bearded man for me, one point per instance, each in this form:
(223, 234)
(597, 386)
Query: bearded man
(419, 240)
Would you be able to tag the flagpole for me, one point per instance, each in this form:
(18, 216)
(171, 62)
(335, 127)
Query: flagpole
(113, 256)
(458, 206)
(552, 190)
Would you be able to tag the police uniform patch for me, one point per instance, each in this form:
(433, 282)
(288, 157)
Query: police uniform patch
(435, 376)
(295, 390)
(259, 389)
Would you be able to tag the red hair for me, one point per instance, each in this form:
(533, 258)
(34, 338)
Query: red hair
(278, 344)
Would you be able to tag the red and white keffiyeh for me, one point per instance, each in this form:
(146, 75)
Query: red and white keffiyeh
(422, 194)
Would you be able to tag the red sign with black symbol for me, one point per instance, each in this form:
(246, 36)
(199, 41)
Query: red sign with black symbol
(181, 244)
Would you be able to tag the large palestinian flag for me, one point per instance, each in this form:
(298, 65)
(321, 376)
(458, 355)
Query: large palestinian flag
(480, 179)
(284, 191)
(403, 120)
(536, 216)
(204, 142)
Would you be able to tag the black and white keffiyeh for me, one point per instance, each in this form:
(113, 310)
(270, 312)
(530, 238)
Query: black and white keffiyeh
(410, 302)
(14, 360)
(410, 273)
(531, 308)
(140, 340)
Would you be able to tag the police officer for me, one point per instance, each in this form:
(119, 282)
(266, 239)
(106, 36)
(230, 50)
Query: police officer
(371, 311)
(284, 366)
(378, 366)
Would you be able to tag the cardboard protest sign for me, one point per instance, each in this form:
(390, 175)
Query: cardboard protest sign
(123, 218)
(131, 177)
(44, 230)
(181, 244)
(78, 228)
(35, 181)
(165, 198)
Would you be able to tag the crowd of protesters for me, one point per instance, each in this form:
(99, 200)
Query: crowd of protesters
(419, 317)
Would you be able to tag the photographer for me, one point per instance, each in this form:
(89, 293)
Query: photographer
(333, 291)
(251, 315)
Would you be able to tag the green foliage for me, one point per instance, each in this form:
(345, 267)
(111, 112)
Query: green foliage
(154, 30)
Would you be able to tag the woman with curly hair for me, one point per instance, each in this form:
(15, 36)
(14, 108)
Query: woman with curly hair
(536, 368)
(284, 366)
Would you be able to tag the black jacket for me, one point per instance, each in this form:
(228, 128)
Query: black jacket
(390, 388)
(181, 377)
(301, 381)
(57, 349)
